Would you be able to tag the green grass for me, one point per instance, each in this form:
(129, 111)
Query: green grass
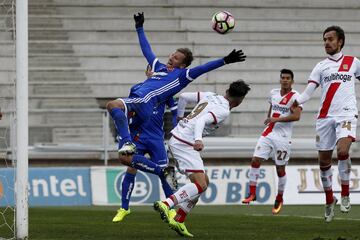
(205, 222)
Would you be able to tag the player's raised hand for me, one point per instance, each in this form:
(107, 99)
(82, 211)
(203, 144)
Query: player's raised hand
(235, 56)
(139, 19)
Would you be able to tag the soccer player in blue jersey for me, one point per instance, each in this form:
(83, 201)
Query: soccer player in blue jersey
(148, 140)
(167, 80)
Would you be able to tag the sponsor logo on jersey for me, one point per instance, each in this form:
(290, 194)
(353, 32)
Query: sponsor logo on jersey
(277, 108)
(158, 75)
(337, 76)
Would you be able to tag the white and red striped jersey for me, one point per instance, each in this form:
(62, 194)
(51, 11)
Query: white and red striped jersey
(210, 104)
(280, 107)
(336, 76)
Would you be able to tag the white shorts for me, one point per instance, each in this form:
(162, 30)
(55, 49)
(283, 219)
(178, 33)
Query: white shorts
(187, 159)
(276, 148)
(329, 130)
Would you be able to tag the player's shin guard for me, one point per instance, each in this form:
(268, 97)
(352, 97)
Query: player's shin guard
(344, 167)
(121, 123)
(253, 177)
(281, 187)
(126, 189)
(326, 179)
(142, 163)
(185, 193)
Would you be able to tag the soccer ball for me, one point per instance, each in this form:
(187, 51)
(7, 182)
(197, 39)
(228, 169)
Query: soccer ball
(223, 22)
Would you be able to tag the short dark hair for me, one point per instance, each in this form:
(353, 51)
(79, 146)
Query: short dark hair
(339, 33)
(238, 89)
(287, 71)
(188, 56)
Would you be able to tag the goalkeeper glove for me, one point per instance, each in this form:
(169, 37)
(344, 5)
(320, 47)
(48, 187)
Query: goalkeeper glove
(139, 19)
(235, 56)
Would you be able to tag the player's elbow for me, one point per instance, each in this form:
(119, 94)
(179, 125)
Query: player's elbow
(296, 118)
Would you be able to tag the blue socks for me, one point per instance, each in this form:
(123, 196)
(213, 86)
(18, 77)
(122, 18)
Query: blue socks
(121, 123)
(142, 163)
(166, 187)
(126, 189)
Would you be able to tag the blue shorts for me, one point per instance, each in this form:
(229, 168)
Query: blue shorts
(155, 148)
(139, 113)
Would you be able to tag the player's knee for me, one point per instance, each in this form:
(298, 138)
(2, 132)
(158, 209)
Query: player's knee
(255, 162)
(201, 185)
(281, 172)
(125, 159)
(114, 104)
(324, 165)
(342, 154)
(131, 170)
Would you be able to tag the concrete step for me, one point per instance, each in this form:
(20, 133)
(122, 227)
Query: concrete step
(249, 119)
(265, 37)
(45, 34)
(268, 13)
(272, 25)
(202, 25)
(60, 89)
(113, 11)
(78, 135)
(251, 63)
(270, 3)
(205, 3)
(125, 36)
(102, 3)
(199, 12)
(219, 76)
(56, 75)
(50, 47)
(255, 132)
(201, 49)
(48, 61)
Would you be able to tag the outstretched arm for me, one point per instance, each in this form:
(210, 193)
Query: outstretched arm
(306, 95)
(144, 44)
(199, 128)
(184, 99)
(234, 56)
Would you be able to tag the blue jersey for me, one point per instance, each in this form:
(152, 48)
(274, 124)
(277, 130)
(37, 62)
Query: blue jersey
(163, 84)
(155, 128)
(149, 138)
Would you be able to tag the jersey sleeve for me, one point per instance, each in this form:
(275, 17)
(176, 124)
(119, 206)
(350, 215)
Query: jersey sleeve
(195, 72)
(146, 49)
(315, 75)
(295, 97)
(357, 70)
(219, 115)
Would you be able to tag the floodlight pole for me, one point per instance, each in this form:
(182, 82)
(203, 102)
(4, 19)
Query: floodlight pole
(22, 132)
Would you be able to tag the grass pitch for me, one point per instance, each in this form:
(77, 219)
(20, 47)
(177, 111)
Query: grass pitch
(205, 222)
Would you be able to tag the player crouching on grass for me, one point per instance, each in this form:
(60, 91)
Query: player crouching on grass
(186, 144)
(275, 141)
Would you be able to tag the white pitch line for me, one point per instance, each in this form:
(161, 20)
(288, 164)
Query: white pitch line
(301, 216)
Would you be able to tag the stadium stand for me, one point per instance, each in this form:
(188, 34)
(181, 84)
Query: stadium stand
(84, 52)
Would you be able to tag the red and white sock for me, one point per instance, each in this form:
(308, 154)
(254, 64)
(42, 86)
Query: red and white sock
(281, 187)
(344, 167)
(326, 179)
(186, 192)
(253, 177)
